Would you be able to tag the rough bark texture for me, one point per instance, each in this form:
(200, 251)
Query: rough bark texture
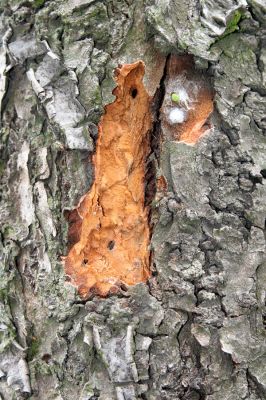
(195, 330)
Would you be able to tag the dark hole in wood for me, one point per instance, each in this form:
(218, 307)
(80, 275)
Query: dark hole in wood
(263, 173)
(85, 261)
(111, 245)
(134, 92)
(46, 357)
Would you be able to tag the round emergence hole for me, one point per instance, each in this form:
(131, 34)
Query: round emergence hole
(134, 92)
(111, 245)
(46, 357)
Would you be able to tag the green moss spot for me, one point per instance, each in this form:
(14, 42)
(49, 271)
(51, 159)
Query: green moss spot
(2, 166)
(38, 3)
(175, 97)
(33, 349)
(232, 24)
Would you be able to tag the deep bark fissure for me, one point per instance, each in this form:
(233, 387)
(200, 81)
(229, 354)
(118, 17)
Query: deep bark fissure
(155, 140)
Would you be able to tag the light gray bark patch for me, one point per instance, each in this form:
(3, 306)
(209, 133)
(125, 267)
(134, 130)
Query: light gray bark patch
(26, 47)
(183, 161)
(16, 372)
(48, 70)
(216, 16)
(77, 55)
(258, 373)
(24, 188)
(4, 64)
(192, 26)
(238, 338)
(62, 106)
(43, 211)
(240, 291)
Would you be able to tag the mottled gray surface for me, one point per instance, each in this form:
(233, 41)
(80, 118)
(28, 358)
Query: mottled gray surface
(197, 329)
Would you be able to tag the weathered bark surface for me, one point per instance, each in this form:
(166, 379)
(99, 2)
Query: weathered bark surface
(195, 330)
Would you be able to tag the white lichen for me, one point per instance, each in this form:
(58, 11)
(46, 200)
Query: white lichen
(180, 98)
(177, 116)
(184, 97)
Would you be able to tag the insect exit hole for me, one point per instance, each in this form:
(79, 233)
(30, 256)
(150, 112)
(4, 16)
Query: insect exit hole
(134, 93)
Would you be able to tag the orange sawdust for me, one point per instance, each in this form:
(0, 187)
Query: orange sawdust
(109, 230)
(196, 124)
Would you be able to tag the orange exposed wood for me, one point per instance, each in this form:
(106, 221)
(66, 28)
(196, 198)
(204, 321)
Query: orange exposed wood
(196, 124)
(109, 230)
(161, 184)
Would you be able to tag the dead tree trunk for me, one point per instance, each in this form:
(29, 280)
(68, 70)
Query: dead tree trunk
(162, 293)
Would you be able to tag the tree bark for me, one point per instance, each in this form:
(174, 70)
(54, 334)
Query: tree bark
(196, 328)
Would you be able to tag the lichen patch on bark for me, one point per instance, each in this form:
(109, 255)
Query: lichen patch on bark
(109, 230)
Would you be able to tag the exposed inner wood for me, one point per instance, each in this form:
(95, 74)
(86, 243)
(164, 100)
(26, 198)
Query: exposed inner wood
(109, 230)
(196, 124)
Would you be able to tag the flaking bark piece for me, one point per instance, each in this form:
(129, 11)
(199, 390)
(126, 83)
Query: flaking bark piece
(110, 228)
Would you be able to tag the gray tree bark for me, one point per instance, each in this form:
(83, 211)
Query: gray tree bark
(196, 329)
